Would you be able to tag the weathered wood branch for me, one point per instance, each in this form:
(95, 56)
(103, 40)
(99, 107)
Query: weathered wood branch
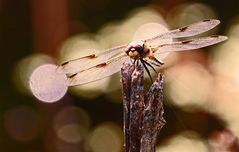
(143, 116)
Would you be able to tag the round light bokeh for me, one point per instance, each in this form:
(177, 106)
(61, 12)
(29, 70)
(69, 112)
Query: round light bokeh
(182, 143)
(105, 137)
(46, 84)
(22, 123)
(189, 84)
(71, 124)
(188, 13)
(224, 58)
(71, 133)
(224, 63)
(25, 67)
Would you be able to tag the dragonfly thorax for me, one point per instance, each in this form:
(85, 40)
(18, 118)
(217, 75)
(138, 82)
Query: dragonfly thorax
(138, 49)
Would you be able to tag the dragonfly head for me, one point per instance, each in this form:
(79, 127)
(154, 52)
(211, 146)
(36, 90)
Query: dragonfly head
(137, 49)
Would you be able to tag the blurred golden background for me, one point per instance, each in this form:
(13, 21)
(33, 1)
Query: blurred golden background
(201, 86)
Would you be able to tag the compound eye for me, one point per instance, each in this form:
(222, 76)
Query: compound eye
(132, 49)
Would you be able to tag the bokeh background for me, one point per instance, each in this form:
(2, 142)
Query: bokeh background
(201, 87)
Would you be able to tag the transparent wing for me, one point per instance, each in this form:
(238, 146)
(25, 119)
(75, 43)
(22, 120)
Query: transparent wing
(80, 64)
(99, 71)
(187, 31)
(189, 44)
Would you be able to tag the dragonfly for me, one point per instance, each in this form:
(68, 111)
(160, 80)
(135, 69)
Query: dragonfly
(94, 67)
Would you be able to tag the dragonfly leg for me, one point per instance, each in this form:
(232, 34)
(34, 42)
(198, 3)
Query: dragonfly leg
(137, 62)
(146, 68)
(148, 64)
(158, 62)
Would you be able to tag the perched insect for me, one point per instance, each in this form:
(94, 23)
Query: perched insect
(97, 66)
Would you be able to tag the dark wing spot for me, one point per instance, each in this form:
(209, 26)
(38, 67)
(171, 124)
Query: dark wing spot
(182, 29)
(91, 56)
(207, 20)
(65, 63)
(71, 76)
(186, 42)
(161, 45)
(101, 65)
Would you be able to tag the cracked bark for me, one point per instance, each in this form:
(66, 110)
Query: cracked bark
(143, 115)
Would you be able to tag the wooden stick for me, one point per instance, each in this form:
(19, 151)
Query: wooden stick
(143, 116)
(153, 116)
(126, 73)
